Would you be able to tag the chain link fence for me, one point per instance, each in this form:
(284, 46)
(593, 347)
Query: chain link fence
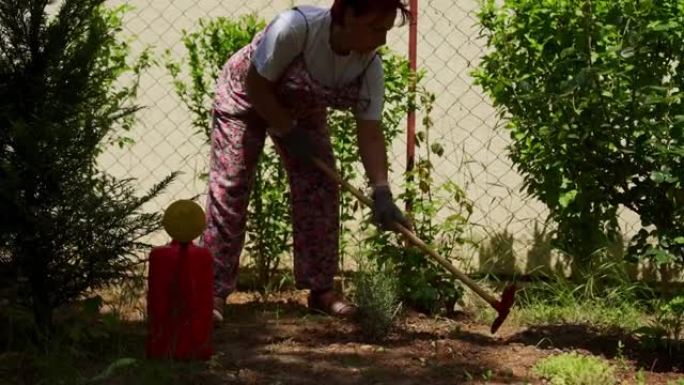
(448, 49)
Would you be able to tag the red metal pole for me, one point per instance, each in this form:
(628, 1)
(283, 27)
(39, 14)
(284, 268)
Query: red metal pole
(411, 123)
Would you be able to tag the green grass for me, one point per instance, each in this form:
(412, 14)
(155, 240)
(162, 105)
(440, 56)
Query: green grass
(596, 312)
(602, 297)
(538, 304)
(575, 369)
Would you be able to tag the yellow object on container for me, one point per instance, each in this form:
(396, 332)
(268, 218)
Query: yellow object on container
(184, 220)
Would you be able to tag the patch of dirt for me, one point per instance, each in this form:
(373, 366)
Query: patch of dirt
(278, 341)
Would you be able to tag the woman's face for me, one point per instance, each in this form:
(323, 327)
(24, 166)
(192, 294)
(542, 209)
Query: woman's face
(368, 32)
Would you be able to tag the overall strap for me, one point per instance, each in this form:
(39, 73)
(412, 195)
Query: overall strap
(306, 36)
(375, 56)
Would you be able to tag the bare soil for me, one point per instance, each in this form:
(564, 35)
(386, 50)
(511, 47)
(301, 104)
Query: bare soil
(278, 341)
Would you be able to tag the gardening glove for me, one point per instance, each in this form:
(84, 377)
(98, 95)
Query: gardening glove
(385, 212)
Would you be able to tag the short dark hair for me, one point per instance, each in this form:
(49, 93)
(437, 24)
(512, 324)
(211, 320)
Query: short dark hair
(364, 7)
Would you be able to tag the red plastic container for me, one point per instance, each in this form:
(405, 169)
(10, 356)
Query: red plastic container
(179, 302)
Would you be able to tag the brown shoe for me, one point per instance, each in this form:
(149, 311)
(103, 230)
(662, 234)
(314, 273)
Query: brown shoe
(331, 303)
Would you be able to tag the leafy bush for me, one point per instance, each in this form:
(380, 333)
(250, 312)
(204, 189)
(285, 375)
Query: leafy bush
(424, 285)
(667, 326)
(591, 92)
(208, 48)
(66, 227)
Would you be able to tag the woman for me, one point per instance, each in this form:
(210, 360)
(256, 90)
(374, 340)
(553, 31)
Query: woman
(306, 60)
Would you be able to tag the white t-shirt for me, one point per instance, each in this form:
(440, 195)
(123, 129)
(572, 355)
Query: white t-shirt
(284, 40)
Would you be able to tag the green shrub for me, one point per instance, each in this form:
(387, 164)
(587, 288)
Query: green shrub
(376, 295)
(667, 326)
(440, 215)
(208, 48)
(67, 88)
(591, 93)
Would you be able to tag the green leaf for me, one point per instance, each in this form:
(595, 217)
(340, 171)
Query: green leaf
(567, 52)
(662, 177)
(113, 367)
(660, 26)
(566, 198)
(627, 52)
(437, 149)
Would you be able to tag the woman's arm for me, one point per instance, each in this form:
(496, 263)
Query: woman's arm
(374, 157)
(372, 150)
(261, 93)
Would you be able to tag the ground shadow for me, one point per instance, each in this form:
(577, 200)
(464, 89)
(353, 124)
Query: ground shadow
(282, 342)
(605, 343)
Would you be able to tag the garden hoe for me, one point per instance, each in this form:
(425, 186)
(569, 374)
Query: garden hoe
(502, 307)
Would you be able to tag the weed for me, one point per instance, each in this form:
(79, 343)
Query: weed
(666, 329)
(601, 296)
(575, 369)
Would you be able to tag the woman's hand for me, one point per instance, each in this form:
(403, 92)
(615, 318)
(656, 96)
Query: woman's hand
(385, 211)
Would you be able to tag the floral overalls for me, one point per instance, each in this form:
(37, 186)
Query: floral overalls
(237, 140)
